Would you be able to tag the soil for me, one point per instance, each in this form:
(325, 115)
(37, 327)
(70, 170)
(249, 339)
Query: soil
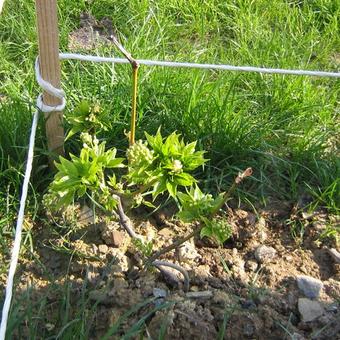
(233, 294)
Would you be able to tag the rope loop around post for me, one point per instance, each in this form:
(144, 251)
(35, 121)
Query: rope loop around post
(50, 89)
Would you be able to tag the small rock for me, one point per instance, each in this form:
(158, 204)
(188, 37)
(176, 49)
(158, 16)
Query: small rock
(238, 270)
(309, 286)
(187, 252)
(166, 233)
(251, 266)
(103, 248)
(86, 215)
(159, 292)
(309, 309)
(251, 219)
(111, 234)
(297, 336)
(121, 261)
(118, 238)
(265, 254)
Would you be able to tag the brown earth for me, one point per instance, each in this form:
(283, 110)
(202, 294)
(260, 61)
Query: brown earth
(257, 298)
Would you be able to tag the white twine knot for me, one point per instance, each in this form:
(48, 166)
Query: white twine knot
(50, 89)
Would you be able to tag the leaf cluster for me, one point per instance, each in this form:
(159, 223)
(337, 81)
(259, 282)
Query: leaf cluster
(84, 174)
(164, 163)
(197, 206)
(86, 117)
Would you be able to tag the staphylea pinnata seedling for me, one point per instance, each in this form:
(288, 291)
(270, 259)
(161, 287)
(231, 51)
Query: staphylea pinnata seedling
(154, 167)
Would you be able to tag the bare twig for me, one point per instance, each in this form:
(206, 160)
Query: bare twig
(172, 246)
(124, 220)
(334, 254)
(180, 241)
(158, 264)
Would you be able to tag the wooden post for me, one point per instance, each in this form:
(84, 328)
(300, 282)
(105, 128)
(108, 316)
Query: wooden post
(48, 36)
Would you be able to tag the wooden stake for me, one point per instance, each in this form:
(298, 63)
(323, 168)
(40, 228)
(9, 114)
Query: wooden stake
(48, 36)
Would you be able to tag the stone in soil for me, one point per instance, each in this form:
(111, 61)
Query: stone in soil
(103, 248)
(118, 238)
(86, 215)
(112, 236)
(122, 262)
(309, 309)
(264, 254)
(309, 286)
(187, 252)
(251, 266)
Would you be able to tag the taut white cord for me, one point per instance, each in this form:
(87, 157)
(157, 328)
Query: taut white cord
(97, 59)
(20, 221)
(49, 88)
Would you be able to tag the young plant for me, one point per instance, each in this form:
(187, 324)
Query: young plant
(86, 117)
(197, 206)
(158, 166)
(163, 164)
(84, 175)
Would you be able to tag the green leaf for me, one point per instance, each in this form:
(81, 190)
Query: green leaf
(116, 163)
(83, 107)
(72, 132)
(155, 142)
(148, 204)
(159, 187)
(206, 232)
(184, 179)
(172, 189)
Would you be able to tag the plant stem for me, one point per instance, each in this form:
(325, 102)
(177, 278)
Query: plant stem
(145, 187)
(134, 102)
(158, 264)
(125, 220)
(135, 66)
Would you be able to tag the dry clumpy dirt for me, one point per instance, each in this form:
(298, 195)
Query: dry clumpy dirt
(250, 285)
(91, 34)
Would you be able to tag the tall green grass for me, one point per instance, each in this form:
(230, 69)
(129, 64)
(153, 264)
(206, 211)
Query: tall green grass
(283, 126)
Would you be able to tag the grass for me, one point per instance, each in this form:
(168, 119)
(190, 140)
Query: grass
(285, 127)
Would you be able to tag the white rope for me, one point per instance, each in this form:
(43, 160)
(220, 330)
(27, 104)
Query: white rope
(17, 240)
(98, 59)
(49, 88)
